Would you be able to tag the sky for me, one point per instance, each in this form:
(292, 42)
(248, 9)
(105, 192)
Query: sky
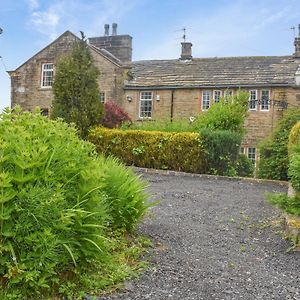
(215, 28)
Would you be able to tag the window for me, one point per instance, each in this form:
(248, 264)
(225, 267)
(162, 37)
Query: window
(47, 75)
(205, 100)
(217, 96)
(242, 150)
(102, 97)
(253, 99)
(228, 93)
(146, 104)
(252, 154)
(265, 100)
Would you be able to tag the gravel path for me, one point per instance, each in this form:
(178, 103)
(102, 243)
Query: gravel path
(214, 239)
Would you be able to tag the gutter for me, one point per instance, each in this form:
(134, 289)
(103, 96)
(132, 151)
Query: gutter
(167, 87)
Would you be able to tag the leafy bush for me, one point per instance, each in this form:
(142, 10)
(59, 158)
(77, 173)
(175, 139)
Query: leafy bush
(294, 137)
(114, 115)
(244, 166)
(57, 204)
(221, 150)
(290, 205)
(228, 114)
(125, 194)
(274, 160)
(152, 149)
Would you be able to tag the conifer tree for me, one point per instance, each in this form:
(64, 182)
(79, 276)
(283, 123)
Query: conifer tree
(76, 91)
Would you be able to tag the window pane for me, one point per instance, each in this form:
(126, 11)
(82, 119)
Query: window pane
(252, 99)
(146, 104)
(205, 100)
(265, 99)
(217, 96)
(47, 75)
(252, 154)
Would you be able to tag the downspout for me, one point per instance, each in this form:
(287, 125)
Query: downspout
(172, 104)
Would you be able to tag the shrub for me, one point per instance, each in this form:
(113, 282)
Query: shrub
(57, 201)
(294, 137)
(125, 194)
(114, 115)
(76, 91)
(274, 160)
(244, 166)
(152, 149)
(221, 150)
(228, 114)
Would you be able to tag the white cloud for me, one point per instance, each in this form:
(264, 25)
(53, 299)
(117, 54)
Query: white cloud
(45, 22)
(33, 4)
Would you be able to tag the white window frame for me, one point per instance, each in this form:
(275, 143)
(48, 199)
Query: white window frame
(217, 96)
(263, 106)
(102, 97)
(146, 96)
(46, 78)
(251, 154)
(251, 99)
(205, 103)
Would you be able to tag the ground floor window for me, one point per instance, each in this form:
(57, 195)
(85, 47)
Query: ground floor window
(205, 100)
(252, 154)
(146, 99)
(217, 95)
(102, 97)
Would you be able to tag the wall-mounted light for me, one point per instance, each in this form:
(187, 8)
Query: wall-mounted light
(157, 97)
(129, 98)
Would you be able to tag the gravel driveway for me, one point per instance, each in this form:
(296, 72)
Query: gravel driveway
(214, 239)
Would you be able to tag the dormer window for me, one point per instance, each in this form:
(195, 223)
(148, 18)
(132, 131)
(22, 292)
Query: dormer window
(47, 75)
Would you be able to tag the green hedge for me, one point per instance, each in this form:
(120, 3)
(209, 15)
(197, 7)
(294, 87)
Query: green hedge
(209, 152)
(152, 149)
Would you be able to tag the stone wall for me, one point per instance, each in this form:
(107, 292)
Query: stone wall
(26, 87)
(187, 102)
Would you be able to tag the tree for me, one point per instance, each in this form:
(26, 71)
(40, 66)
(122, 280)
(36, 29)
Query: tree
(76, 91)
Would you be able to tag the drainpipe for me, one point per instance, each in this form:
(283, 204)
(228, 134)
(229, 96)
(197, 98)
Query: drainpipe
(172, 104)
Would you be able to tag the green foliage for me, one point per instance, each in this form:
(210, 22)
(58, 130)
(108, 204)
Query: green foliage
(290, 205)
(294, 137)
(228, 114)
(221, 150)
(177, 125)
(75, 88)
(152, 149)
(274, 160)
(244, 166)
(294, 168)
(125, 194)
(58, 205)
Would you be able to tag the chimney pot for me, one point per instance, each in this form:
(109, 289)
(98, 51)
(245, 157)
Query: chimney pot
(114, 28)
(186, 51)
(106, 29)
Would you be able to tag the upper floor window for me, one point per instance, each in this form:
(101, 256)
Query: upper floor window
(228, 93)
(146, 104)
(205, 100)
(265, 100)
(252, 99)
(47, 75)
(102, 97)
(217, 96)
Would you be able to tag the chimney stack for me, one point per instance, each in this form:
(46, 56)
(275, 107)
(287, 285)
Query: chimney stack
(114, 28)
(106, 29)
(297, 45)
(186, 51)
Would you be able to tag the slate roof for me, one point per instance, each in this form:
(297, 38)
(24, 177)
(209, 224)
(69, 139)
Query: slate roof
(214, 72)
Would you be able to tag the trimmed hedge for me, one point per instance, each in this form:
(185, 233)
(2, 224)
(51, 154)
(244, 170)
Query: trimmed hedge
(152, 149)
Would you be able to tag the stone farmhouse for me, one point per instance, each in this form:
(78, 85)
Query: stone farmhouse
(176, 88)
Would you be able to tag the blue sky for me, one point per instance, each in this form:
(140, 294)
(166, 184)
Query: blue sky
(216, 28)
